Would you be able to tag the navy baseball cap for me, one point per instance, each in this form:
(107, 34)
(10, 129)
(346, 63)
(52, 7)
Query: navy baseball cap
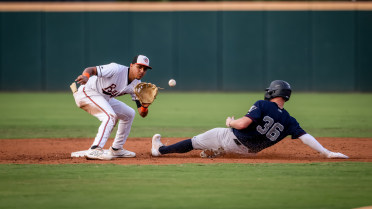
(141, 60)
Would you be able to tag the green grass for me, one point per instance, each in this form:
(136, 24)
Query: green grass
(181, 114)
(175, 114)
(318, 185)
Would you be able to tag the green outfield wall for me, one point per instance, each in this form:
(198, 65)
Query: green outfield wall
(244, 47)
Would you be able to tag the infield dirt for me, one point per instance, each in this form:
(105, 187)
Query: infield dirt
(58, 151)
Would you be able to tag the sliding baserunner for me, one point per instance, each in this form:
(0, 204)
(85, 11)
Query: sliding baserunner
(265, 124)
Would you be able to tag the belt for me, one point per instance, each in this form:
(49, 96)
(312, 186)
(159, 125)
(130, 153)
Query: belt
(237, 142)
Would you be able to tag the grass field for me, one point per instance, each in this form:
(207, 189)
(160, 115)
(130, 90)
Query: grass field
(320, 185)
(312, 185)
(55, 115)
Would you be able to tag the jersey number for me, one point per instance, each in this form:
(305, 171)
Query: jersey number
(271, 129)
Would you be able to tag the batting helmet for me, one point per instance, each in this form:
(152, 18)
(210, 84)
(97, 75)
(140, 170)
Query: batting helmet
(278, 88)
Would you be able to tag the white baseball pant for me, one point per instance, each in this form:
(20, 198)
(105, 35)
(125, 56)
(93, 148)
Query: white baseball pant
(218, 138)
(109, 112)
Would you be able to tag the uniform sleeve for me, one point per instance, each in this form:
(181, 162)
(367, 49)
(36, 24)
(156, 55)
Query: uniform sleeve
(254, 112)
(295, 130)
(107, 70)
(134, 97)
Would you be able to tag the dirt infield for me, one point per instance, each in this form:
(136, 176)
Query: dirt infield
(57, 151)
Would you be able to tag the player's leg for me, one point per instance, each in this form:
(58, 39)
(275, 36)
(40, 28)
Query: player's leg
(125, 115)
(211, 142)
(158, 147)
(179, 147)
(101, 109)
(207, 140)
(216, 142)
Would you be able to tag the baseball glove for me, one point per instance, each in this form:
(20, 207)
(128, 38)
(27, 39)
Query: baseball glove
(146, 93)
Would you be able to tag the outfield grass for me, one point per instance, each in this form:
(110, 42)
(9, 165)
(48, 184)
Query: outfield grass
(181, 114)
(315, 185)
(318, 185)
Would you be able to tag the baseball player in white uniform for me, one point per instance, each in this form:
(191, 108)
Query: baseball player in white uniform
(96, 95)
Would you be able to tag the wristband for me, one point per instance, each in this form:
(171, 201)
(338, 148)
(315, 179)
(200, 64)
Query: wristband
(86, 74)
(138, 103)
(144, 109)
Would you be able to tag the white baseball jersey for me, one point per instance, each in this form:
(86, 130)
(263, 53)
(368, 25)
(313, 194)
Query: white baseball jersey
(97, 98)
(112, 81)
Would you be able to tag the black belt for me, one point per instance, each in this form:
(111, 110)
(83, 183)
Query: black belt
(237, 142)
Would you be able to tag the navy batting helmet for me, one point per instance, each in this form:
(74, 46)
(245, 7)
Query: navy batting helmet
(278, 88)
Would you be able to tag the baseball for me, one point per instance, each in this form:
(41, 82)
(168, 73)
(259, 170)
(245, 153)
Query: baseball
(172, 82)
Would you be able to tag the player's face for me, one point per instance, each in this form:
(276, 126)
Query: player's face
(139, 71)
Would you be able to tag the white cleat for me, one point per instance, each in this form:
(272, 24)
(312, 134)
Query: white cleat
(156, 143)
(97, 154)
(121, 153)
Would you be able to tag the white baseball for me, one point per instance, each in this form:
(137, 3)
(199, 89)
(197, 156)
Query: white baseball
(172, 82)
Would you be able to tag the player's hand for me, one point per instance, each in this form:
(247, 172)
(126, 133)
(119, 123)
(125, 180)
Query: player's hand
(336, 155)
(143, 111)
(82, 79)
(228, 121)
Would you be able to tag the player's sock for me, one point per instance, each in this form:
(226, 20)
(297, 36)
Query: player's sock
(179, 147)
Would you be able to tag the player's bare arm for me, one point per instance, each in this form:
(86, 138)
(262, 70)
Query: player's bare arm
(87, 73)
(239, 124)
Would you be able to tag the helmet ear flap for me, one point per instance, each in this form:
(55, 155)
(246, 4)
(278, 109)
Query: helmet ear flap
(268, 94)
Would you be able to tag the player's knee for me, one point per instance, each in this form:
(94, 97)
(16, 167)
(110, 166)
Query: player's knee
(110, 118)
(131, 114)
(127, 115)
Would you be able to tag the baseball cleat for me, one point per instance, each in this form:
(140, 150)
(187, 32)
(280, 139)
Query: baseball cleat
(121, 153)
(156, 144)
(97, 154)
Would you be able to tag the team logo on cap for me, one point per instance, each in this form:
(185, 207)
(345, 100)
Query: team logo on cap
(146, 60)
